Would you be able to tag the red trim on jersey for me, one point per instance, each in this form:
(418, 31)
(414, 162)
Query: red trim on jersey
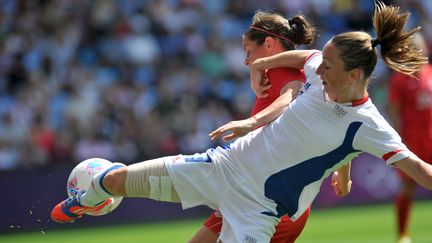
(360, 101)
(311, 55)
(390, 154)
(413, 97)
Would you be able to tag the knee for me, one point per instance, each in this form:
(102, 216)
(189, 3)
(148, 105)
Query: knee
(114, 181)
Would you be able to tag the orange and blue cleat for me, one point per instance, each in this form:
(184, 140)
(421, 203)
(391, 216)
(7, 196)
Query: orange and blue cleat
(70, 209)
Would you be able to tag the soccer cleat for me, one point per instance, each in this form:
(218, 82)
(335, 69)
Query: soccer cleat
(404, 239)
(70, 209)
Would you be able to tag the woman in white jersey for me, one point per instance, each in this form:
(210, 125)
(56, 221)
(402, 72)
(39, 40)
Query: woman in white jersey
(266, 174)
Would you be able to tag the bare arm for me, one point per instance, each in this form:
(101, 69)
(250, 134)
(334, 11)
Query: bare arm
(341, 181)
(294, 59)
(417, 169)
(274, 110)
(242, 127)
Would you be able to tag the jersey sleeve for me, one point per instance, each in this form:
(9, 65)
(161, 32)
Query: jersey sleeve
(382, 142)
(311, 65)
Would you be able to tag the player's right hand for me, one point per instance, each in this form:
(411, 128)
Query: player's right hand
(259, 82)
(238, 129)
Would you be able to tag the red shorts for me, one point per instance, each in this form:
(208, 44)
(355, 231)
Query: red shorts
(287, 231)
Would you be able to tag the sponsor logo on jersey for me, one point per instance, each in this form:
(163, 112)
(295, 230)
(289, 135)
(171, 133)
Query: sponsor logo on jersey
(339, 111)
(249, 239)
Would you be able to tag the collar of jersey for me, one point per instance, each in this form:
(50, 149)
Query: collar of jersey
(353, 103)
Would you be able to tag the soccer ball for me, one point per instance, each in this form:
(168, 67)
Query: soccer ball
(81, 176)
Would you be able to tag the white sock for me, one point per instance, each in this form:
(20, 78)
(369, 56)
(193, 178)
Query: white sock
(97, 193)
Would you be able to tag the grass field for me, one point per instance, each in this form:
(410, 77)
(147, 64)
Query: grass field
(371, 224)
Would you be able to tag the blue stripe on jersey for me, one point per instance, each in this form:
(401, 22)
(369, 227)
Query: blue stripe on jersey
(199, 158)
(286, 186)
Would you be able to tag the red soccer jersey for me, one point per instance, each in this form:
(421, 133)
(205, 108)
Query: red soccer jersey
(414, 98)
(278, 78)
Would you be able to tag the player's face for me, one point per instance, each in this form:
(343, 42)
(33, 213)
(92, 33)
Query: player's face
(333, 74)
(253, 51)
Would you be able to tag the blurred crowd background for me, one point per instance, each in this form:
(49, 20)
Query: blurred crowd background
(137, 79)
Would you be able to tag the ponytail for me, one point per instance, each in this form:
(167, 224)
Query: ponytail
(303, 33)
(291, 33)
(396, 45)
(358, 48)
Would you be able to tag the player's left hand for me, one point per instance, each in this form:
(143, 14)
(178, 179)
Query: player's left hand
(340, 189)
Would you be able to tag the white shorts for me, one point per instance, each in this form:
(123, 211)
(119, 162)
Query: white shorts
(200, 181)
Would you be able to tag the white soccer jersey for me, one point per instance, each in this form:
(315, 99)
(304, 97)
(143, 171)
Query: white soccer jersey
(285, 162)
(278, 169)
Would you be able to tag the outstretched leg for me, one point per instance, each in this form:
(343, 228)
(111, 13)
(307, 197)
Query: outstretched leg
(148, 179)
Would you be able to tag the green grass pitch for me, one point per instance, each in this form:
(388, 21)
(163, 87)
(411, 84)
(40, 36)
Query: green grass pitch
(366, 224)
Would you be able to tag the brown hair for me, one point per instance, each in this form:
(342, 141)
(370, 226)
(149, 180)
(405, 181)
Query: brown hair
(297, 30)
(357, 49)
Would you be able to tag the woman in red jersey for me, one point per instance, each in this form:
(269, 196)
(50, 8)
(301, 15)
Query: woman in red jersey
(270, 34)
(410, 109)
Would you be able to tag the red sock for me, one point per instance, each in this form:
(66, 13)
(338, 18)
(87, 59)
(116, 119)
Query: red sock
(403, 210)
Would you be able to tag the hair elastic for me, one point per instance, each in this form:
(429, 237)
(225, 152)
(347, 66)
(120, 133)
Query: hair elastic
(273, 34)
(375, 42)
